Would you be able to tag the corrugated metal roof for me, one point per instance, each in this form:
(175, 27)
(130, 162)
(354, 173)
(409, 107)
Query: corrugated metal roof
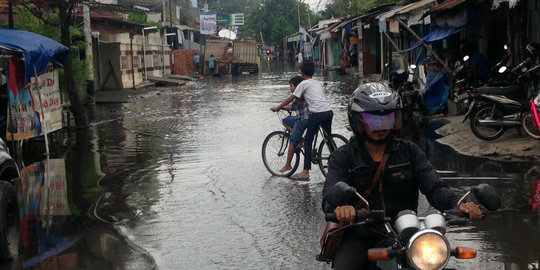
(415, 6)
(404, 9)
(448, 4)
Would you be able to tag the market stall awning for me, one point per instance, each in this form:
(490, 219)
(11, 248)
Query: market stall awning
(437, 34)
(38, 50)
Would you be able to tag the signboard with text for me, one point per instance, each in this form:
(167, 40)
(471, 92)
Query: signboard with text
(223, 19)
(208, 23)
(33, 105)
(237, 19)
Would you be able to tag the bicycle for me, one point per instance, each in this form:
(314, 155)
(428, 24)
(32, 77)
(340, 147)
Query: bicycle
(275, 147)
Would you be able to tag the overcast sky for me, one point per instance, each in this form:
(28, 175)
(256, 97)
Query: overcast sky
(314, 3)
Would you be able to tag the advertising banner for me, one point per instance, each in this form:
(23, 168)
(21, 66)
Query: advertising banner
(208, 23)
(26, 105)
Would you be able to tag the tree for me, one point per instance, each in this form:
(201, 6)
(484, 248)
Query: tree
(341, 8)
(60, 13)
(272, 20)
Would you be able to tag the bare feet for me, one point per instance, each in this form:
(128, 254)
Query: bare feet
(286, 168)
(304, 174)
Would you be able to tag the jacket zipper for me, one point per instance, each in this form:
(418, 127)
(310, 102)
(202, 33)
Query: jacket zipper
(398, 165)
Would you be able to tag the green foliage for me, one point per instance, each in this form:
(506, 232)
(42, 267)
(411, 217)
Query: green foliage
(341, 8)
(137, 17)
(27, 21)
(186, 13)
(142, 18)
(275, 19)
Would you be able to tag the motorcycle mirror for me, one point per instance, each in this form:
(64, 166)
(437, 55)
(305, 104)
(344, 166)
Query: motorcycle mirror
(341, 194)
(487, 196)
(466, 58)
(502, 69)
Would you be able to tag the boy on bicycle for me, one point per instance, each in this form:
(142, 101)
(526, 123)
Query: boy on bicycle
(320, 112)
(295, 124)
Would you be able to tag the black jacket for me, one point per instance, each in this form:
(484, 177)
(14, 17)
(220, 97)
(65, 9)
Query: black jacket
(406, 172)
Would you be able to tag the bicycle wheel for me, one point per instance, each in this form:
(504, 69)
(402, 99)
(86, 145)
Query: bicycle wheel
(274, 153)
(326, 149)
(530, 128)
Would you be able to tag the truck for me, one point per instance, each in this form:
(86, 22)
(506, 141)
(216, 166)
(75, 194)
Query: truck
(217, 48)
(245, 57)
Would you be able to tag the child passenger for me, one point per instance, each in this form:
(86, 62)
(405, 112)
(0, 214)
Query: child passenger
(296, 124)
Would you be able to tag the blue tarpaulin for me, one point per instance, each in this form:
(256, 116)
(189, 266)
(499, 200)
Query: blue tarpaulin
(38, 50)
(436, 91)
(437, 34)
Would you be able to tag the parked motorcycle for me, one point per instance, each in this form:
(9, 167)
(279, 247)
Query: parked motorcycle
(413, 101)
(502, 79)
(492, 112)
(411, 241)
(530, 122)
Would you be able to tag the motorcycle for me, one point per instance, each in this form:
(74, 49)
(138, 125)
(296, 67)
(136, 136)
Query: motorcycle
(411, 242)
(413, 101)
(530, 122)
(502, 81)
(493, 112)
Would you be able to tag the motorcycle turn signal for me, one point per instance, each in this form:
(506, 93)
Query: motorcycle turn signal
(464, 253)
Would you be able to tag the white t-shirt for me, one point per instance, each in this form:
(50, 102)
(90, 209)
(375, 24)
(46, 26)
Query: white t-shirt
(314, 95)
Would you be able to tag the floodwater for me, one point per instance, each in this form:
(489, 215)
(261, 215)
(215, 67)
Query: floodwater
(174, 180)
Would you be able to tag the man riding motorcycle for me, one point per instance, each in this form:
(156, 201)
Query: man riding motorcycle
(374, 113)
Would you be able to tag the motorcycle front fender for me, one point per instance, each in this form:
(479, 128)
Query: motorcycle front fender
(471, 109)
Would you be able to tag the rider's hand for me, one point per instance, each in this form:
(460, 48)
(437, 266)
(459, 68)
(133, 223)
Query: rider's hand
(274, 109)
(346, 214)
(472, 209)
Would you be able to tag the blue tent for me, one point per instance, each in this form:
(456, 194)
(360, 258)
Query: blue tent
(38, 50)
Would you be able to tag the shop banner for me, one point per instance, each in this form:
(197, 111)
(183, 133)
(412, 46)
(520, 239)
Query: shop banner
(208, 23)
(25, 110)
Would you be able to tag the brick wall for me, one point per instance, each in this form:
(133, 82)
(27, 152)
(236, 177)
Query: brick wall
(183, 62)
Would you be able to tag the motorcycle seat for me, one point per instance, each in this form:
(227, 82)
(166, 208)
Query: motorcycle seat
(499, 90)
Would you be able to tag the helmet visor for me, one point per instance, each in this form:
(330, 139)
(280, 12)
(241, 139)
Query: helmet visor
(382, 121)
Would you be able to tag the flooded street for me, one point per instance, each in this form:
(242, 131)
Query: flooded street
(174, 180)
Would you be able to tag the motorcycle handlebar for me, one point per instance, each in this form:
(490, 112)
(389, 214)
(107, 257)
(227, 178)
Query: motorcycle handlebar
(521, 65)
(361, 215)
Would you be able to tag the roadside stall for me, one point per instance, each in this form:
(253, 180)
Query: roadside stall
(30, 107)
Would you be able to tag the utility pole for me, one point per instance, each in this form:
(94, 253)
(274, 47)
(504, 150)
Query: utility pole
(163, 36)
(90, 90)
(10, 11)
(298, 15)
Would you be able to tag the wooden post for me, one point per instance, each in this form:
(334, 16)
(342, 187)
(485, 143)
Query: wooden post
(425, 44)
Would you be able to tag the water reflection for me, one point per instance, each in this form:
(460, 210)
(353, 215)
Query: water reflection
(58, 224)
(178, 172)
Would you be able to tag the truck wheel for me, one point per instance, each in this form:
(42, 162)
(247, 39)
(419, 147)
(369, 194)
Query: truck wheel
(10, 235)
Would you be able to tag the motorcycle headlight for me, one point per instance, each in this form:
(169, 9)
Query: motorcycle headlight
(429, 250)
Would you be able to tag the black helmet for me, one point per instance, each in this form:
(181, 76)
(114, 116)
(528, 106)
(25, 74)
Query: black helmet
(375, 105)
